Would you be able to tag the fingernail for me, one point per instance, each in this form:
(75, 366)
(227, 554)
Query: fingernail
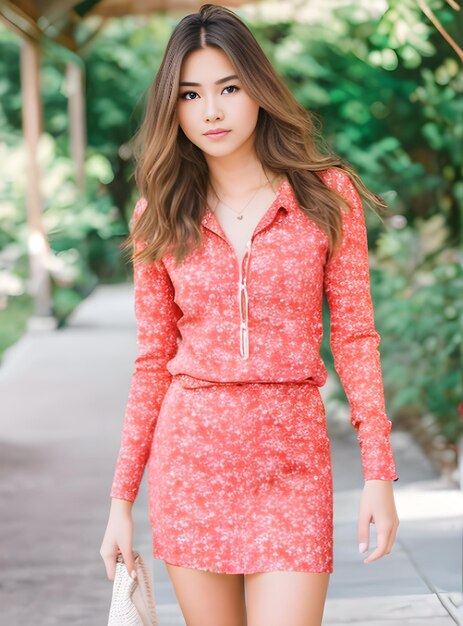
(362, 547)
(133, 574)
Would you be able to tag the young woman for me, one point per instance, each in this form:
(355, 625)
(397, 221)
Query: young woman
(242, 224)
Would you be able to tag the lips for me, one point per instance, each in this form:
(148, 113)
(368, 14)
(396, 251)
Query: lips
(217, 131)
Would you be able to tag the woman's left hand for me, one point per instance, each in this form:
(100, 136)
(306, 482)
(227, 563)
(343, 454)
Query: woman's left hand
(377, 506)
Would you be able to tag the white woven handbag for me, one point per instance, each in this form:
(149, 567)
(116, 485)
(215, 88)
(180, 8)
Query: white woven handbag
(132, 602)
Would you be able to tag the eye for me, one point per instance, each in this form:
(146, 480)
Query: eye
(234, 87)
(188, 93)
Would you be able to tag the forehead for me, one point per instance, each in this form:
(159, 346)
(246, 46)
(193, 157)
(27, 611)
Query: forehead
(206, 65)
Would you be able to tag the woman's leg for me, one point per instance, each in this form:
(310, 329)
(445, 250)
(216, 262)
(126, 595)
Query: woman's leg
(209, 599)
(276, 598)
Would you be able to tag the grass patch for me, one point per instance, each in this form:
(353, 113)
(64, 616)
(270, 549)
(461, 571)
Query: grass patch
(13, 320)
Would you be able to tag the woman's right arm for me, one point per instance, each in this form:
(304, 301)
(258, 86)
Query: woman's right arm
(118, 537)
(157, 333)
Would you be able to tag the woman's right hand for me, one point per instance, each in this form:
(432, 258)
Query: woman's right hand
(118, 537)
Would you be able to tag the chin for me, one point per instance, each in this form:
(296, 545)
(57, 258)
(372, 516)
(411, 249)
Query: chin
(220, 151)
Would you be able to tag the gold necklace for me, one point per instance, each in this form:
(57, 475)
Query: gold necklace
(239, 214)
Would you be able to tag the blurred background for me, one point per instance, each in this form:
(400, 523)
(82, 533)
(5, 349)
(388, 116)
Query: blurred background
(384, 78)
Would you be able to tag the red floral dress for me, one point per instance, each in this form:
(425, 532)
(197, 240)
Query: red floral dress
(224, 405)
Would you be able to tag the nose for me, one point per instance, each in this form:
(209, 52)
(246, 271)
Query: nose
(212, 111)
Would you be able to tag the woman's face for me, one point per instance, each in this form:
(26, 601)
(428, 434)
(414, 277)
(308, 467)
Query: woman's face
(210, 97)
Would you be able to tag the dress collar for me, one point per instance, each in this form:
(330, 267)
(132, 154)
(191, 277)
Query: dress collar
(284, 199)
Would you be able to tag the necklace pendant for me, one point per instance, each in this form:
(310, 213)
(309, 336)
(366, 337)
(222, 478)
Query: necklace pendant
(239, 217)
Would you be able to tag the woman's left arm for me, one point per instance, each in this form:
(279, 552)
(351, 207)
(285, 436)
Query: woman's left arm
(355, 343)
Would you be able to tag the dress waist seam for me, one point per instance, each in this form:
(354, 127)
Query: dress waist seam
(191, 382)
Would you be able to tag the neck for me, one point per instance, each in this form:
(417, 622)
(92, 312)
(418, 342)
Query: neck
(237, 175)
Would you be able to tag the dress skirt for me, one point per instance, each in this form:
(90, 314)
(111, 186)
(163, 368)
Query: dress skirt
(240, 478)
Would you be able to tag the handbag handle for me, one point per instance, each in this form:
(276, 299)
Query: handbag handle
(148, 586)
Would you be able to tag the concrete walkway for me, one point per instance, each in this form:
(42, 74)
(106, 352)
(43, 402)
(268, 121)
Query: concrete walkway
(63, 394)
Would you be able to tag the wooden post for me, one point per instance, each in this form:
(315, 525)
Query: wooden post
(76, 108)
(38, 247)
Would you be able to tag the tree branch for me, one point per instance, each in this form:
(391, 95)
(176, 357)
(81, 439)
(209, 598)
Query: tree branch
(453, 4)
(432, 18)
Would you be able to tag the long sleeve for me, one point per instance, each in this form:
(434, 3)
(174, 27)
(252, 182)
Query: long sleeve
(156, 315)
(354, 340)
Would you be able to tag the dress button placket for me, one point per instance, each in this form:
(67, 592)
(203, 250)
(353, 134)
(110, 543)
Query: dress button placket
(244, 304)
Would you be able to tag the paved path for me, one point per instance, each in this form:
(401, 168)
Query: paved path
(63, 395)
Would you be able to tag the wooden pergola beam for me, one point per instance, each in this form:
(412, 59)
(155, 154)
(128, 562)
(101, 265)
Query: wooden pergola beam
(120, 8)
(24, 19)
(20, 19)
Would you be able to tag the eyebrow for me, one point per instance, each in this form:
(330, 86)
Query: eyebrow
(217, 82)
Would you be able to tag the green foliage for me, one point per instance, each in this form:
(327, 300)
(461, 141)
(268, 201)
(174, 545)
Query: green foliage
(420, 294)
(13, 319)
(10, 93)
(84, 230)
(120, 66)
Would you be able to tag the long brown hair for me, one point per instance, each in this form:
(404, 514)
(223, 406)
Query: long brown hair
(172, 173)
